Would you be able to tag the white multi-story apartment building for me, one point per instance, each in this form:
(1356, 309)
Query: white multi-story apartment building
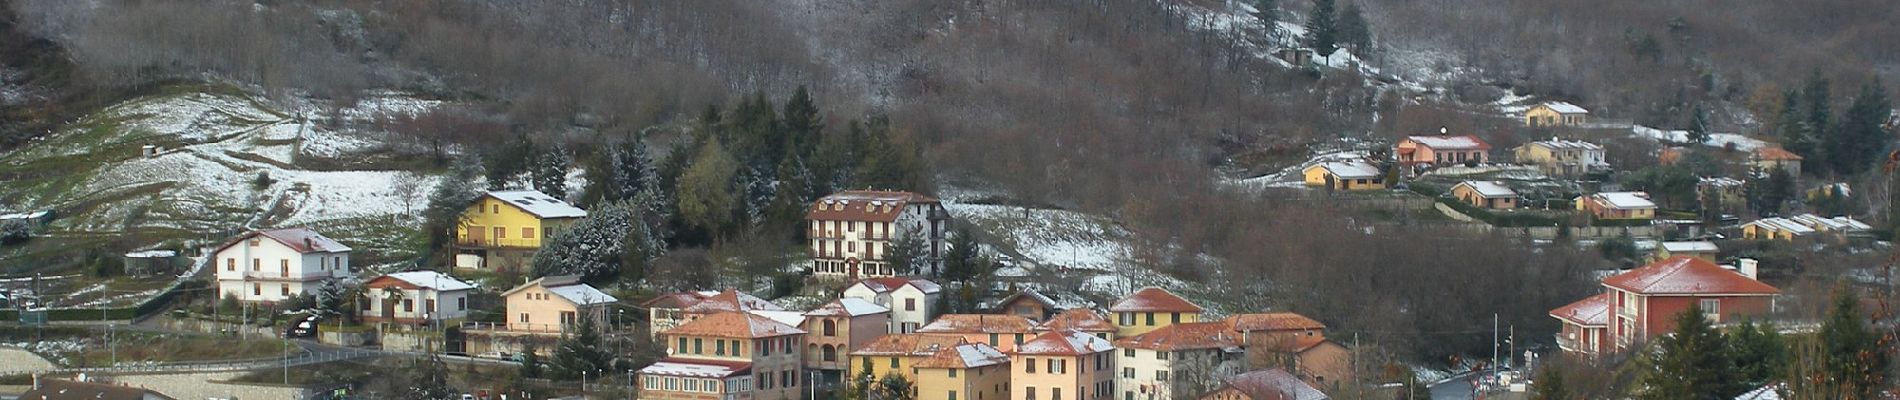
(852, 232)
(272, 265)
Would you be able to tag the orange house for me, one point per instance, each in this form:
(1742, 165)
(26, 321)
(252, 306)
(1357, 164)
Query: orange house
(1080, 320)
(1004, 332)
(1442, 150)
(1062, 365)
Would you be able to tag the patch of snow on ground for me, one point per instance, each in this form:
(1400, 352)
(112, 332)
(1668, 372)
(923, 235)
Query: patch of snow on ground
(353, 194)
(1718, 140)
(1056, 238)
(1514, 105)
(1291, 178)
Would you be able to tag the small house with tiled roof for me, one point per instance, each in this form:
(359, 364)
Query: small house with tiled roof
(1562, 157)
(739, 354)
(1268, 384)
(1441, 150)
(968, 371)
(1769, 158)
(1485, 194)
(1294, 342)
(1775, 228)
(1644, 301)
(1161, 362)
(672, 309)
(852, 232)
(1082, 320)
(837, 327)
(1063, 365)
(1151, 308)
(1028, 304)
(415, 297)
(1586, 325)
(1617, 205)
(503, 228)
(897, 353)
(1344, 176)
(910, 299)
(998, 330)
(272, 265)
(554, 304)
(1555, 113)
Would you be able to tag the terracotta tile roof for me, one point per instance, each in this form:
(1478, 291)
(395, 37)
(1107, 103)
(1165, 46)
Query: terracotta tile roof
(679, 300)
(979, 323)
(1776, 153)
(848, 307)
(907, 344)
(1684, 275)
(1591, 311)
(735, 325)
(1277, 321)
(1064, 343)
(967, 355)
(1154, 299)
(1274, 384)
(1184, 336)
(301, 240)
(1461, 142)
(57, 389)
(864, 205)
(891, 283)
(1081, 319)
(732, 300)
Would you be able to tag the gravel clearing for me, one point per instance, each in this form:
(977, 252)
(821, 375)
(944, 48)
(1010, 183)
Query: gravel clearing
(199, 386)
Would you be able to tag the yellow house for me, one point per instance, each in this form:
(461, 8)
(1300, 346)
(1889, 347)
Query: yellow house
(1349, 175)
(1555, 113)
(1562, 157)
(971, 371)
(1704, 250)
(1775, 229)
(1485, 194)
(897, 353)
(1618, 205)
(502, 229)
(1151, 308)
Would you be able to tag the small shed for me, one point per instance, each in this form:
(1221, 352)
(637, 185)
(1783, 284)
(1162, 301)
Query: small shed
(152, 263)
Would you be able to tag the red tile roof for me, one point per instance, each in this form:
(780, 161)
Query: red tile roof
(679, 300)
(1274, 384)
(732, 300)
(1460, 142)
(1064, 343)
(891, 283)
(907, 344)
(1081, 319)
(1776, 153)
(864, 205)
(967, 355)
(300, 240)
(1684, 275)
(1154, 299)
(979, 323)
(1278, 321)
(1591, 311)
(735, 325)
(1184, 336)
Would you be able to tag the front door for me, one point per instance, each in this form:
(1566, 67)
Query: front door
(389, 308)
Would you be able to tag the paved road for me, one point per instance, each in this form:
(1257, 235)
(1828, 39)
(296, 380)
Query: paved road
(1457, 388)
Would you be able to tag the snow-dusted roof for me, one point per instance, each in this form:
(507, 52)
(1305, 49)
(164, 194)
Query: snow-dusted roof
(1461, 142)
(1565, 108)
(1154, 299)
(888, 284)
(736, 324)
(1720, 182)
(792, 318)
(1350, 169)
(695, 368)
(1683, 275)
(848, 307)
(582, 294)
(300, 240)
(1698, 246)
(1842, 223)
(539, 204)
(1275, 384)
(1065, 342)
(1489, 189)
(967, 355)
(430, 279)
(1782, 224)
(864, 205)
(152, 254)
(1591, 311)
(1625, 200)
(1565, 144)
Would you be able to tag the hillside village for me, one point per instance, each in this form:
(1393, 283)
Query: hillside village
(1138, 200)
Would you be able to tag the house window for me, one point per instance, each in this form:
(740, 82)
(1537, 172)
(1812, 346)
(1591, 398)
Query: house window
(1059, 366)
(1127, 319)
(1150, 319)
(230, 264)
(953, 393)
(867, 363)
(257, 264)
(1712, 308)
(567, 317)
(953, 372)
(1174, 317)
(527, 233)
(524, 318)
(284, 289)
(893, 362)
(494, 208)
(1019, 338)
(408, 305)
(1128, 353)
(1128, 372)
(1161, 376)
(1029, 365)
(1055, 393)
(830, 328)
(681, 348)
(699, 346)
(719, 347)
(461, 303)
(429, 305)
(993, 338)
(1029, 393)
(283, 267)
(501, 233)
(1161, 355)
(257, 289)
(910, 304)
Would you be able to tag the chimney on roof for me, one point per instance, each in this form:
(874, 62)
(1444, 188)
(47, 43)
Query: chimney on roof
(309, 243)
(1749, 267)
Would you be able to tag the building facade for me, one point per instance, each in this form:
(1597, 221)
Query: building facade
(553, 305)
(1151, 308)
(1555, 113)
(414, 297)
(1562, 157)
(970, 371)
(1176, 361)
(1344, 176)
(852, 232)
(502, 229)
(1062, 365)
(273, 265)
(1485, 194)
(910, 299)
(1000, 331)
(1442, 150)
(834, 329)
(1641, 304)
(730, 355)
(1618, 205)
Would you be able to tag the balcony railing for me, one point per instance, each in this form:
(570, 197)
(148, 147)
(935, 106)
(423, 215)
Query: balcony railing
(493, 242)
(273, 276)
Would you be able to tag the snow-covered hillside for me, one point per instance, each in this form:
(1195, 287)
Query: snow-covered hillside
(228, 161)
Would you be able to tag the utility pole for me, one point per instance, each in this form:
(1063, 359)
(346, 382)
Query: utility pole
(1494, 343)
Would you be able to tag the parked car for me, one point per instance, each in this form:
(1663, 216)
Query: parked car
(305, 328)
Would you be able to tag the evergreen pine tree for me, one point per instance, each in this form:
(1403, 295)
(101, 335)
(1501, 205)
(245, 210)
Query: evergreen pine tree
(961, 259)
(1698, 126)
(531, 366)
(1691, 363)
(1816, 120)
(705, 195)
(1268, 12)
(597, 246)
(1759, 352)
(1354, 33)
(550, 171)
(431, 380)
(580, 351)
(905, 254)
(451, 196)
(792, 195)
(1322, 33)
(1861, 136)
(634, 176)
(1854, 360)
(1788, 124)
(890, 159)
(1550, 385)
(330, 297)
(803, 125)
(508, 161)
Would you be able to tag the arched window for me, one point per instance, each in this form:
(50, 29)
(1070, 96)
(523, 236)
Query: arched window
(829, 353)
(831, 328)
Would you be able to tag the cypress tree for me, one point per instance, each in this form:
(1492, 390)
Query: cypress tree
(1322, 33)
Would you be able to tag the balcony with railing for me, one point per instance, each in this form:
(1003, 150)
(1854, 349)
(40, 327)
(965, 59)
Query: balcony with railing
(279, 276)
(488, 242)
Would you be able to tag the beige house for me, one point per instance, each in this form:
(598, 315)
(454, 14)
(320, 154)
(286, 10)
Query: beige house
(1617, 205)
(1556, 113)
(852, 231)
(897, 353)
(970, 371)
(1347, 175)
(1774, 157)
(837, 327)
(672, 309)
(728, 355)
(551, 305)
(1062, 365)
(1562, 157)
(1294, 342)
(1485, 194)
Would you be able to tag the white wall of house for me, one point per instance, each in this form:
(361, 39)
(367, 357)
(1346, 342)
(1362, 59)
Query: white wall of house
(910, 307)
(261, 269)
(449, 305)
(869, 242)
